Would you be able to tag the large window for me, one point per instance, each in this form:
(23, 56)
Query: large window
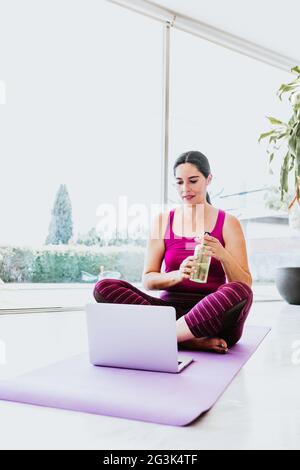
(82, 123)
(81, 137)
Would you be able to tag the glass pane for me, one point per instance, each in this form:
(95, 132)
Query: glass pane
(219, 103)
(82, 118)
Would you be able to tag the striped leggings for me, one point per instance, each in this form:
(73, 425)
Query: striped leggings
(221, 313)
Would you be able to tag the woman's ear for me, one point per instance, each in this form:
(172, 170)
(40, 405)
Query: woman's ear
(209, 178)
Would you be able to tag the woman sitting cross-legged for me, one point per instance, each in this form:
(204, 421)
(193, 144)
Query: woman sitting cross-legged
(209, 316)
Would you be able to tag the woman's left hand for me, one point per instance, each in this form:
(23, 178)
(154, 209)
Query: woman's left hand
(213, 247)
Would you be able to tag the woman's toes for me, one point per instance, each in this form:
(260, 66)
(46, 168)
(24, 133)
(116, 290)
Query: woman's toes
(220, 350)
(220, 345)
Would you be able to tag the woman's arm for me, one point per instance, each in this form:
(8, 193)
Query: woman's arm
(152, 278)
(158, 281)
(235, 259)
(233, 256)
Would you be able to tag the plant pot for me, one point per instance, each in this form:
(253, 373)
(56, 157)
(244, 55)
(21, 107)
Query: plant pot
(287, 281)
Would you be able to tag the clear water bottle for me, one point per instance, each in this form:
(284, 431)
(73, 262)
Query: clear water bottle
(201, 263)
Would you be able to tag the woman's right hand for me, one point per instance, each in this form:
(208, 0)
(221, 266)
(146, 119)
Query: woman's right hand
(185, 268)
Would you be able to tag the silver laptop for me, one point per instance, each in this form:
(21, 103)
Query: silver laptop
(134, 337)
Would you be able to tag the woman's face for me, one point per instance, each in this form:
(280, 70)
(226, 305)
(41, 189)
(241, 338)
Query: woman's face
(191, 184)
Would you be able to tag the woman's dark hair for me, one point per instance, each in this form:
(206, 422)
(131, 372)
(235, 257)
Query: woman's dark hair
(199, 160)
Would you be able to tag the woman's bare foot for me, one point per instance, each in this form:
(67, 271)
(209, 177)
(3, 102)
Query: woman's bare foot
(217, 345)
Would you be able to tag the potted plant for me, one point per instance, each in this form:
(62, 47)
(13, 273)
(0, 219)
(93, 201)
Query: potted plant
(284, 142)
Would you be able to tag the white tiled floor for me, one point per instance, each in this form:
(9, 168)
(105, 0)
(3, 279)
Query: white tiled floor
(259, 410)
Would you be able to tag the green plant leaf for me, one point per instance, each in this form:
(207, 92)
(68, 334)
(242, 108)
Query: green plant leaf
(276, 137)
(275, 121)
(292, 163)
(266, 134)
(273, 139)
(297, 106)
(294, 92)
(283, 134)
(284, 174)
(285, 89)
(292, 142)
(296, 69)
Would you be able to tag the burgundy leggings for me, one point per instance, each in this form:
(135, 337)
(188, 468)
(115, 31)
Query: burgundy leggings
(221, 313)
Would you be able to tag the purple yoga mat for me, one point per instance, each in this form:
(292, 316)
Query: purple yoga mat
(158, 397)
